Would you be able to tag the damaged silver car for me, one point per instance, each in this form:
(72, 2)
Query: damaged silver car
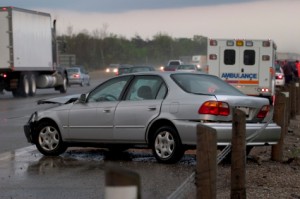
(157, 110)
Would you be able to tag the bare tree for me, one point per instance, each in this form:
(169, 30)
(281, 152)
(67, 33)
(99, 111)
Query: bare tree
(101, 35)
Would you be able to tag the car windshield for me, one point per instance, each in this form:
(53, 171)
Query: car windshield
(277, 66)
(139, 69)
(186, 67)
(204, 84)
(73, 70)
(123, 70)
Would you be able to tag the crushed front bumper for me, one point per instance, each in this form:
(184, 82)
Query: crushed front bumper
(29, 127)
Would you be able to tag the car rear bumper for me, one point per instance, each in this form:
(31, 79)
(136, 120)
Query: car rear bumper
(279, 82)
(29, 128)
(75, 81)
(263, 135)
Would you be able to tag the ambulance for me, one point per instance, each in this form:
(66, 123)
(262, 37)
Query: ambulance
(249, 65)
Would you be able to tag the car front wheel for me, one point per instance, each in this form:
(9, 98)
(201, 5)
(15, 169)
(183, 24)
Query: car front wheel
(166, 145)
(48, 139)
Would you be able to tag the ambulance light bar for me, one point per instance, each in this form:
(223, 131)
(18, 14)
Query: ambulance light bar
(213, 42)
(239, 43)
(266, 44)
(230, 43)
(249, 43)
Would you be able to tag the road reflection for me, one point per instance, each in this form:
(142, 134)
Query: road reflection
(80, 173)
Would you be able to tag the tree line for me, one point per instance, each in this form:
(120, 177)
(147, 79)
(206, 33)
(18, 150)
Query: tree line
(99, 49)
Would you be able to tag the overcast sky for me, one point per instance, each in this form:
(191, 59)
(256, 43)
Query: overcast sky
(252, 19)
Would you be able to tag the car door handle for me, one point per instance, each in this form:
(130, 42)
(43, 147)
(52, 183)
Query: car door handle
(152, 108)
(107, 110)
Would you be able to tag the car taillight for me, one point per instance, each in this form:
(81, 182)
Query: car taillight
(4, 75)
(76, 75)
(279, 76)
(214, 108)
(263, 111)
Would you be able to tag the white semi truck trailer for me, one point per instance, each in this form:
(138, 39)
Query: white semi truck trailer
(28, 55)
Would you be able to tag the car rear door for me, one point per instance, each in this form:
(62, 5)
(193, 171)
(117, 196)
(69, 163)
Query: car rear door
(139, 108)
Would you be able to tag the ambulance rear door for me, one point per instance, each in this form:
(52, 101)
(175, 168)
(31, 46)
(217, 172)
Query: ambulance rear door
(239, 66)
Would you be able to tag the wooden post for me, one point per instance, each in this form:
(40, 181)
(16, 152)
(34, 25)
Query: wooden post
(121, 183)
(280, 117)
(288, 105)
(238, 156)
(206, 171)
(298, 98)
(293, 100)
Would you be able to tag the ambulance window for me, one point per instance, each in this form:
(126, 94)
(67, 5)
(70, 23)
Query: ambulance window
(229, 57)
(249, 57)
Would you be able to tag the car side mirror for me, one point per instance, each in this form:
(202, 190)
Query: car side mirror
(82, 98)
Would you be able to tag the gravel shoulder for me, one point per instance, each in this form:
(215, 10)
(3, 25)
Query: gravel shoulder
(266, 178)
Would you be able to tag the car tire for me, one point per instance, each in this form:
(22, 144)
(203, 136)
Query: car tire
(166, 145)
(48, 139)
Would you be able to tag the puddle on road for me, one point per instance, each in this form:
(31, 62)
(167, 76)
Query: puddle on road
(30, 161)
(80, 173)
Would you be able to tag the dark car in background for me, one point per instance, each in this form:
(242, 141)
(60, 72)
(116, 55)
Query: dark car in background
(78, 75)
(112, 68)
(136, 69)
(279, 78)
(172, 65)
(123, 69)
(188, 68)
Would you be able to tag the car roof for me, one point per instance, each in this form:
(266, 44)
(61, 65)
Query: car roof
(165, 73)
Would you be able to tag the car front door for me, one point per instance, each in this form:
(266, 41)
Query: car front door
(140, 106)
(93, 120)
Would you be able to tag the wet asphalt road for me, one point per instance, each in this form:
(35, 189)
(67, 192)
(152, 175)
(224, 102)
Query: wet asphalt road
(78, 173)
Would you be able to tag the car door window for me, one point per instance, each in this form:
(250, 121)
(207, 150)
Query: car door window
(109, 91)
(145, 88)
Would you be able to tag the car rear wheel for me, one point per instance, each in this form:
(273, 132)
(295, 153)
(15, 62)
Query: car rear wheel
(166, 145)
(48, 139)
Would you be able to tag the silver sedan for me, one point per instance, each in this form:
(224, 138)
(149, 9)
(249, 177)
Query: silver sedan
(158, 110)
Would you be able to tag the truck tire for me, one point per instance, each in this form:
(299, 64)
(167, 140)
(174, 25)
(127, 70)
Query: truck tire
(23, 87)
(32, 85)
(63, 87)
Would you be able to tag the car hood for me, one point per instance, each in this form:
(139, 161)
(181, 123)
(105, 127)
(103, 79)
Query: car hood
(60, 100)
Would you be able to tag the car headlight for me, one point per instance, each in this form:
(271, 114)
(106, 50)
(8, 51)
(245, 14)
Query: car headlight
(33, 117)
